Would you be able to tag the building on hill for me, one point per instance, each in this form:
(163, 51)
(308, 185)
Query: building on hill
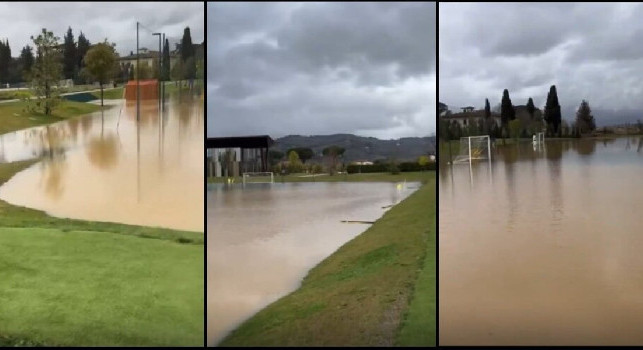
(472, 116)
(147, 57)
(234, 156)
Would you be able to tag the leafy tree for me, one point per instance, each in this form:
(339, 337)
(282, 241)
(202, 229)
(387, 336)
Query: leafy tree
(274, 156)
(178, 71)
(584, 119)
(26, 61)
(552, 111)
(304, 153)
(317, 168)
(165, 70)
(294, 163)
(515, 127)
(70, 59)
(46, 71)
(333, 153)
(101, 63)
(507, 112)
(423, 161)
(144, 71)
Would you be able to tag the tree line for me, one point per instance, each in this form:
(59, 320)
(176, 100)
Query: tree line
(71, 53)
(551, 122)
(297, 157)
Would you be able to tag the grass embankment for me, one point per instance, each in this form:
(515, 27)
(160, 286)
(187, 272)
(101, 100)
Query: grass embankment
(13, 115)
(15, 94)
(111, 94)
(79, 283)
(367, 293)
(368, 177)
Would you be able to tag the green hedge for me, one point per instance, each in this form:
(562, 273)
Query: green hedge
(383, 168)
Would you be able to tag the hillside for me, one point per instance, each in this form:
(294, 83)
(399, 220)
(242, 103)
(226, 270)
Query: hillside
(361, 148)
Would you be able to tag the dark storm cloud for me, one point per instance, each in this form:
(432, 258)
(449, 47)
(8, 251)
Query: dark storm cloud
(321, 68)
(588, 50)
(115, 21)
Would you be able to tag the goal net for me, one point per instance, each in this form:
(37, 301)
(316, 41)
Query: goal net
(539, 137)
(258, 177)
(474, 147)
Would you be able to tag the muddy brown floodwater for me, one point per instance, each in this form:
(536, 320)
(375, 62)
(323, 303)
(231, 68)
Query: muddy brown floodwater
(263, 239)
(543, 246)
(102, 167)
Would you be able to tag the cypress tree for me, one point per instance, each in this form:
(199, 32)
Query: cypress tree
(166, 61)
(531, 108)
(70, 59)
(82, 48)
(552, 111)
(507, 112)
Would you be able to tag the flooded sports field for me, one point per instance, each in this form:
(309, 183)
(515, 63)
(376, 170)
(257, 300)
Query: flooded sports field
(103, 167)
(263, 238)
(542, 245)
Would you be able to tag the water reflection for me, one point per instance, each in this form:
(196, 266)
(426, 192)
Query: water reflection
(551, 247)
(103, 167)
(263, 238)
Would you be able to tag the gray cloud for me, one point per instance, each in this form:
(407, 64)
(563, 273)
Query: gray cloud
(588, 50)
(321, 68)
(115, 21)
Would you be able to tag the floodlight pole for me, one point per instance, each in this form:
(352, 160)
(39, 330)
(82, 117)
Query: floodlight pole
(138, 82)
(138, 118)
(159, 66)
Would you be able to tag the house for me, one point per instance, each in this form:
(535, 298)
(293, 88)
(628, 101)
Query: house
(147, 57)
(466, 118)
(362, 162)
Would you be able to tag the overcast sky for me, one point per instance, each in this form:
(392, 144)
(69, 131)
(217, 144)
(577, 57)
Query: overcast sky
(99, 20)
(321, 68)
(591, 51)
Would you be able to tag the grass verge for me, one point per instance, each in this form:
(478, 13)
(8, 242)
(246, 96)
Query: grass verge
(359, 295)
(419, 324)
(96, 289)
(78, 283)
(365, 177)
(14, 117)
(111, 94)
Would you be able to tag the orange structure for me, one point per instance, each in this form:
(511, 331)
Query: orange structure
(149, 89)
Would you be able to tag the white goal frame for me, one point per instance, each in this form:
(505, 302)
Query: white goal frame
(540, 137)
(247, 175)
(461, 158)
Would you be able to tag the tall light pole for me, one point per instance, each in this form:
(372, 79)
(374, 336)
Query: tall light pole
(138, 82)
(138, 119)
(159, 80)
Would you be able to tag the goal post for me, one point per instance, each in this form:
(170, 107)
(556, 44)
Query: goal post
(258, 177)
(540, 137)
(473, 148)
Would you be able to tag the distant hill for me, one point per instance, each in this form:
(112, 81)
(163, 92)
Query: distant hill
(361, 148)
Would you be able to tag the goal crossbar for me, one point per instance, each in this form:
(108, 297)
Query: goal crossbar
(474, 147)
(258, 177)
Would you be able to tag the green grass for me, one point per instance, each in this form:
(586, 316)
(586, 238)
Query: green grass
(80, 283)
(419, 325)
(368, 177)
(359, 295)
(98, 289)
(15, 94)
(14, 117)
(111, 94)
